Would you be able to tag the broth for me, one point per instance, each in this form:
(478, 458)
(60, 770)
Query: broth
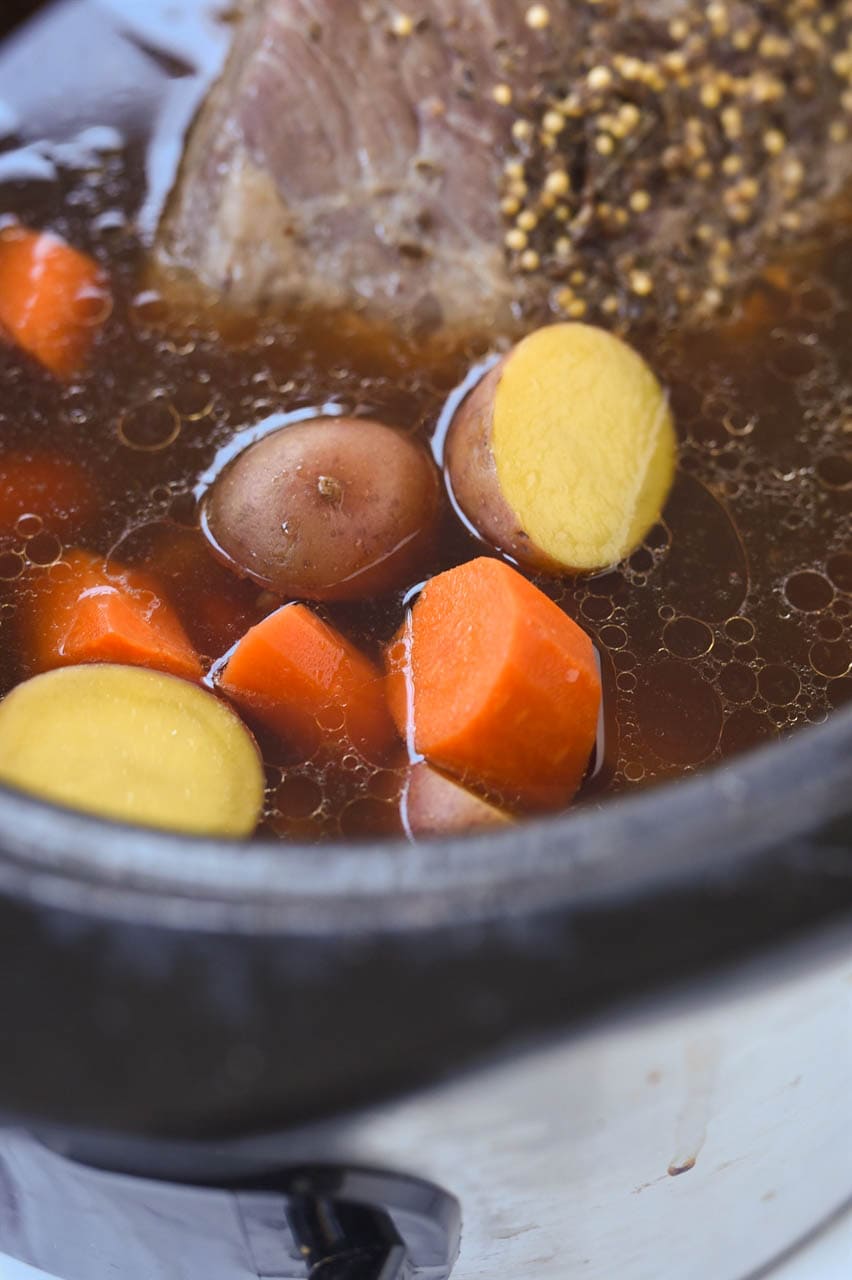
(729, 627)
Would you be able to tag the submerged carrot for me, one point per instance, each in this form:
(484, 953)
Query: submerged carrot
(301, 679)
(56, 489)
(217, 607)
(52, 298)
(82, 612)
(494, 683)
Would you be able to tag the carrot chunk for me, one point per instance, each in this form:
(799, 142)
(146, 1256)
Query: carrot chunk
(217, 607)
(300, 678)
(491, 681)
(52, 298)
(48, 485)
(82, 612)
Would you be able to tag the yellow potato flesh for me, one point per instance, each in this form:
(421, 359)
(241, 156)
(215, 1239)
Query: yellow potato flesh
(133, 745)
(583, 443)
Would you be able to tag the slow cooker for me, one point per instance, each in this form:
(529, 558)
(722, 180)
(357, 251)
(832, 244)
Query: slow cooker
(613, 1043)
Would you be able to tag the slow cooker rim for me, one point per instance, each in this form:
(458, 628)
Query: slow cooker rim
(753, 808)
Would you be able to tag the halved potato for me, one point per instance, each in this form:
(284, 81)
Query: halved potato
(564, 454)
(133, 745)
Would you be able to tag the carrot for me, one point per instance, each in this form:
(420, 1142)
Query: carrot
(48, 485)
(81, 612)
(52, 298)
(301, 679)
(218, 607)
(492, 682)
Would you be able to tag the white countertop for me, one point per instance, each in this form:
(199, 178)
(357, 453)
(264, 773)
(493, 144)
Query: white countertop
(827, 1256)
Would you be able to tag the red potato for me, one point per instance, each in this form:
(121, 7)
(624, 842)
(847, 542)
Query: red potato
(332, 509)
(434, 804)
(473, 476)
(132, 745)
(564, 454)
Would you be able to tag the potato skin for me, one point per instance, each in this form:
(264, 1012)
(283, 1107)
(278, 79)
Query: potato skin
(330, 509)
(436, 805)
(472, 477)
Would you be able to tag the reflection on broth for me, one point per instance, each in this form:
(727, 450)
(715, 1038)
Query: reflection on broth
(728, 627)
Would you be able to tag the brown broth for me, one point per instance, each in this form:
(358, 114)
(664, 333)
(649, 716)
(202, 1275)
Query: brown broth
(729, 627)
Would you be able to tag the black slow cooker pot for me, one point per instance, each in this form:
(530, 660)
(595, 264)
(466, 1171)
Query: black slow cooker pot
(209, 1013)
(136, 964)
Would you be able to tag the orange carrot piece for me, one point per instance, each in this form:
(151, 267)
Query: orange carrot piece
(505, 687)
(218, 608)
(300, 678)
(80, 611)
(48, 485)
(52, 298)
